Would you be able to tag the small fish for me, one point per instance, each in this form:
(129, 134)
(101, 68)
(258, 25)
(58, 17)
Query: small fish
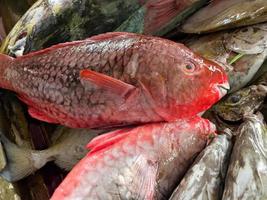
(204, 180)
(158, 17)
(243, 102)
(73, 19)
(68, 147)
(219, 122)
(145, 162)
(114, 79)
(226, 14)
(247, 172)
(242, 50)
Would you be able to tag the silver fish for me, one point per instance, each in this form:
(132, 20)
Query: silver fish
(247, 173)
(242, 51)
(67, 149)
(226, 14)
(204, 180)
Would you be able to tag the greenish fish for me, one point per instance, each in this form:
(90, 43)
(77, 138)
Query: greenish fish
(226, 14)
(68, 147)
(247, 172)
(159, 17)
(8, 191)
(51, 22)
(241, 103)
(204, 180)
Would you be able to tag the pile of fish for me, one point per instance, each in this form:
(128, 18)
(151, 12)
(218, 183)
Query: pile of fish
(138, 99)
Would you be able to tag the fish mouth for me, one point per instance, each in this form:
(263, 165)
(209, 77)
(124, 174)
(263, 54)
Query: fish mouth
(223, 89)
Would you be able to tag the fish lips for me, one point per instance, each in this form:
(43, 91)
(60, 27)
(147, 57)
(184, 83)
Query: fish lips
(223, 89)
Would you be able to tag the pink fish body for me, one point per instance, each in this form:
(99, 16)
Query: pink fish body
(114, 79)
(142, 163)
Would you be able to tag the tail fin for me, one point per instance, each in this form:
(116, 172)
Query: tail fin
(5, 62)
(21, 162)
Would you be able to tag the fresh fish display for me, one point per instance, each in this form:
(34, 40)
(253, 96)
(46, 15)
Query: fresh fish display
(243, 102)
(226, 14)
(247, 173)
(245, 53)
(158, 17)
(68, 147)
(73, 19)
(204, 180)
(114, 79)
(145, 162)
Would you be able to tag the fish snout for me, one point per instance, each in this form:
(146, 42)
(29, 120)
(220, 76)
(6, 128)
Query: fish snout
(223, 88)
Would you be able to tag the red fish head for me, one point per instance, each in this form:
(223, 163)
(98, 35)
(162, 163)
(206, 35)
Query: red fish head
(185, 84)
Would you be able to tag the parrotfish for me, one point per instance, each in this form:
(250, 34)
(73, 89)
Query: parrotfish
(114, 79)
(139, 163)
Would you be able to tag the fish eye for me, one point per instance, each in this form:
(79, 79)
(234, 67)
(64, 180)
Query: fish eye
(235, 98)
(189, 67)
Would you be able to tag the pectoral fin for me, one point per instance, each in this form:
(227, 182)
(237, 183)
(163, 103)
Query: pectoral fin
(92, 78)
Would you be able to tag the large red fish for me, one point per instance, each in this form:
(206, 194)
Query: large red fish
(113, 79)
(146, 162)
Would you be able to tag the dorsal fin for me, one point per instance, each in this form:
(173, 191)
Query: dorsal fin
(110, 35)
(61, 45)
(159, 13)
(95, 38)
(108, 139)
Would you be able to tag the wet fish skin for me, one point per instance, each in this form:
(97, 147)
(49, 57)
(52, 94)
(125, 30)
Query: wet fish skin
(226, 14)
(204, 180)
(68, 147)
(247, 173)
(223, 46)
(110, 80)
(241, 103)
(74, 19)
(137, 163)
(160, 21)
(239, 42)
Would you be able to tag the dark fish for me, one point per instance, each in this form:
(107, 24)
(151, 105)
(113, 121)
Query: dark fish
(52, 22)
(158, 17)
(114, 79)
(245, 101)
(204, 180)
(247, 173)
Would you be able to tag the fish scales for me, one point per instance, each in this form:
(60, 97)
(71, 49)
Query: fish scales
(98, 81)
(145, 162)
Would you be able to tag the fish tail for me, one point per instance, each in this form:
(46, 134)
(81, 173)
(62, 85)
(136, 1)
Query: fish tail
(21, 162)
(5, 62)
